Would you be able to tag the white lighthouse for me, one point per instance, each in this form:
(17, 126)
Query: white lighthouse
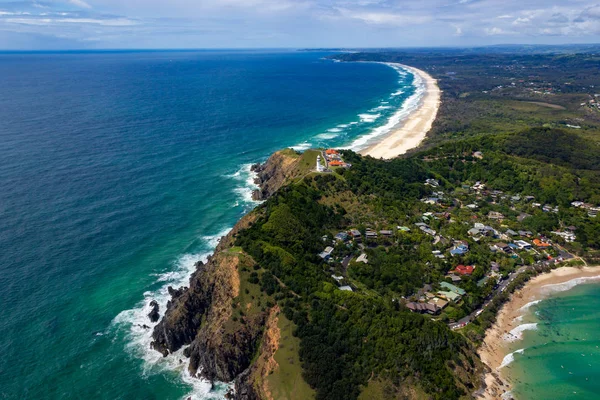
(319, 166)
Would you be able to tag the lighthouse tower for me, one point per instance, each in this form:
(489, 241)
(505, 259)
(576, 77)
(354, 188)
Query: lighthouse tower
(319, 166)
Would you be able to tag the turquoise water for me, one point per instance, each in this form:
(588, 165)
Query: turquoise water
(561, 358)
(119, 170)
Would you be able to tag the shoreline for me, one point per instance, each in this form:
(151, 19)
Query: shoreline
(411, 131)
(495, 348)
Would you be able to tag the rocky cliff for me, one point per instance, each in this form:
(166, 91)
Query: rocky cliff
(198, 316)
(222, 346)
(281, 167)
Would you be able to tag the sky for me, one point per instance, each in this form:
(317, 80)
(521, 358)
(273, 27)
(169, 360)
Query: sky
(140, 24)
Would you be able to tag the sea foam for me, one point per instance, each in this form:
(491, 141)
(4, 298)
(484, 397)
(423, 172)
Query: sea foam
(245, 176)
(368, 117)
(509, 358)
(137, 327)
(302, 146)
(517, 333)
(562, 287)
(410, 105)
(529, 305)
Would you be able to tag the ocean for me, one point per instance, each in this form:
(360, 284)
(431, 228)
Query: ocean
(558, 355)
(119, 170)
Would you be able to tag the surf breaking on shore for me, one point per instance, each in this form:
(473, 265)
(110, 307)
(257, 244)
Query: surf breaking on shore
(409, 126)
(509, 327)
(397, 132)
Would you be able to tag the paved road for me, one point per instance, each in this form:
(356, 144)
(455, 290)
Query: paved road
(501, 288)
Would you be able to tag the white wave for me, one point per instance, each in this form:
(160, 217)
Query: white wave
(368, 117)
(327, 136)
(509, 358)
(517, 333)
(342, 126)
(302, 146)
(409, 105)
(382, 107)
(507, 395)
(137, 327)
(246, 177)
(397, 93)
(562, 287)
(335, 130)
(529, 305)
(213, 240)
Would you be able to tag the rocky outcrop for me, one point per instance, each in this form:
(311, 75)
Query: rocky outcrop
(154, 315)
(274, 173)
(199, 316)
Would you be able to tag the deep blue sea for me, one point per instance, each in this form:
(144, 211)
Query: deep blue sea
(119, 170)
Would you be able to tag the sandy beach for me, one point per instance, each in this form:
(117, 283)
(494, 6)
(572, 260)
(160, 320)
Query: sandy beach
(411, 132)
(496, 346)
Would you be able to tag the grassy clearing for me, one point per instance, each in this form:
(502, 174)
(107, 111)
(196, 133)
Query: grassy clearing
(378, 389)
(286, 383)
(251, 300)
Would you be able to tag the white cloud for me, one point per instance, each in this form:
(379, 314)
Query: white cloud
(84, 21)
(383, 18)
(80, 3)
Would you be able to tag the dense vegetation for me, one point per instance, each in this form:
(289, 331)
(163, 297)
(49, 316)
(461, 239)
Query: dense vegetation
(345, 337)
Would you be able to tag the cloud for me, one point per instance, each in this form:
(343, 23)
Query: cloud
(76, 21)
(383, 18)
(299, 23)
(80, 3)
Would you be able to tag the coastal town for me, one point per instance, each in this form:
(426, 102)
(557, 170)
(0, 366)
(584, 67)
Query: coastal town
(478, 240)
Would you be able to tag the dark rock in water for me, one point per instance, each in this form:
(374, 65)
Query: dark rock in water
(256, 167)
(153, 314)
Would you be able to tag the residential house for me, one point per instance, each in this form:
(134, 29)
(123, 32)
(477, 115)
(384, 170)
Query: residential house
(452, 288)
(459, 250)
(427, 230)
(510, 232)
(523, 245)
(540, 244)
(463, 269)
(500, 246)
(386, 233)
(432, 182)
(362, 258)
(451, 296)
(356, 235)
(495, 215)
(326, 254)
(342, 237)
(371, 234)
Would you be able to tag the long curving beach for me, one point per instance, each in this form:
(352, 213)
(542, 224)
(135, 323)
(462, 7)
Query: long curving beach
(411, 131)
(495, 351)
